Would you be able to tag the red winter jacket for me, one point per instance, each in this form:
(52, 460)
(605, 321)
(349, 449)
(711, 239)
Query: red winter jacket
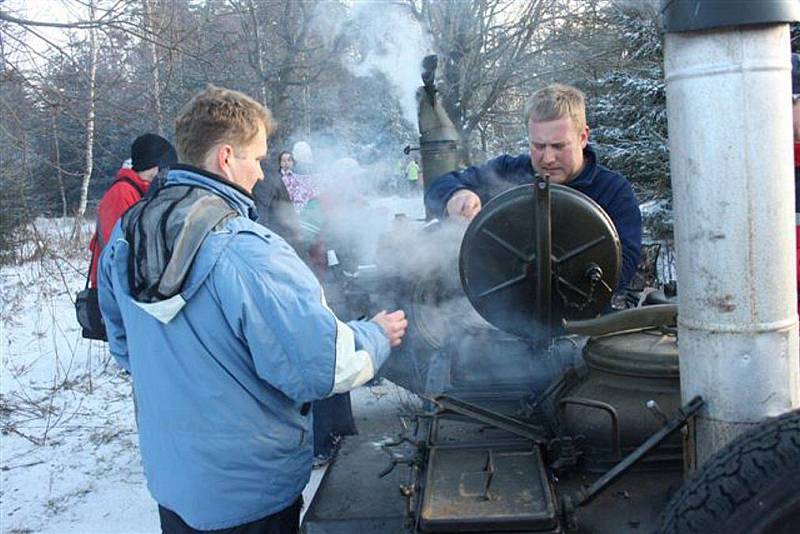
(117, 199)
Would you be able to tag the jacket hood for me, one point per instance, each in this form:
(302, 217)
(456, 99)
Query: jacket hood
(130, 174)
(166, 232)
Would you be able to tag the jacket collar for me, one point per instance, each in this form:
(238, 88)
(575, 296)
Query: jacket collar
(586, 176)
(238, 198)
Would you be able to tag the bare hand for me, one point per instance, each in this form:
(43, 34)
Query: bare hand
(464, 203)
(393, 325)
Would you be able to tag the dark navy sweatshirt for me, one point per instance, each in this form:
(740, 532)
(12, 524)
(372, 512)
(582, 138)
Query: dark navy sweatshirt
(609, 189)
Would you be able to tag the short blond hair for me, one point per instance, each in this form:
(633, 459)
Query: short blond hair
(556, 102)
(216, 115)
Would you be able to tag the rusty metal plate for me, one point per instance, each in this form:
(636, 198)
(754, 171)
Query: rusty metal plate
(497, 261)
(483, 489)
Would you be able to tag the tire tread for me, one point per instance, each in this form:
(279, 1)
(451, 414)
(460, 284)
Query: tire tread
(734, 477)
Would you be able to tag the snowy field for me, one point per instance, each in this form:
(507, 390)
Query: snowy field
(69, 460)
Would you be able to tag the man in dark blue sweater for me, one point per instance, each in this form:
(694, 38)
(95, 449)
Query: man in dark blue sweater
(558, 137)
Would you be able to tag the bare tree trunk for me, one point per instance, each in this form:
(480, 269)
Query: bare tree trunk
(259, 52)
(58, 163)
(90, 120)
(151, 48)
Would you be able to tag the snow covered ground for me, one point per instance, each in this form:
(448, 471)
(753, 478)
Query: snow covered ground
(69, 459)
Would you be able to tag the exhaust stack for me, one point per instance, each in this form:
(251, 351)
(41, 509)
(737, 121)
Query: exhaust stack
(438, 138)
(729, 113)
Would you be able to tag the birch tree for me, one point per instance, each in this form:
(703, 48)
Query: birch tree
(147, 15)
(90, 124)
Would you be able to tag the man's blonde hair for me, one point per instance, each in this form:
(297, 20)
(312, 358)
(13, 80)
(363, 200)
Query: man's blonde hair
(216, 115)
(555, 102)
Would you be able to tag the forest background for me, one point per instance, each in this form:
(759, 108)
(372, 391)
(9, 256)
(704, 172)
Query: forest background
(79, 81)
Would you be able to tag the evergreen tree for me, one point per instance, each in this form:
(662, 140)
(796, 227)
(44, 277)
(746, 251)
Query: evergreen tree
(627, 104)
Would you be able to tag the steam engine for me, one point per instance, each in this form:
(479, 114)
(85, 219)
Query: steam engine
(535, 404)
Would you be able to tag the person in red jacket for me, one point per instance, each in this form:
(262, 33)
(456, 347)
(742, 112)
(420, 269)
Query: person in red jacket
(150, 153)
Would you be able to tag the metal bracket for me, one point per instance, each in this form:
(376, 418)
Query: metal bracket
(503, 422)
(544, 252)
(616, 440)
(565, 452)
(584, 497)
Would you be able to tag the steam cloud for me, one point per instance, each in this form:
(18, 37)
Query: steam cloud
(387, 40)
(360, 197)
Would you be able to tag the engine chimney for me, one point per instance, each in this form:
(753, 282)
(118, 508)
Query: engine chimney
(438, 139)
(727, 68)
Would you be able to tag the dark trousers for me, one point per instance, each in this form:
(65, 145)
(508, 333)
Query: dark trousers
(333, 416)
(287, 521)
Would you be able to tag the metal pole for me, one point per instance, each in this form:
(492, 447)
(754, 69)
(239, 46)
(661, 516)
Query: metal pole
(544, 266)
(730, 137)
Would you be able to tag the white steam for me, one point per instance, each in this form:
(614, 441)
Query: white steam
(388, 40)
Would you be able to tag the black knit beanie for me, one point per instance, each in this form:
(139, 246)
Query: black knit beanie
(151, 150)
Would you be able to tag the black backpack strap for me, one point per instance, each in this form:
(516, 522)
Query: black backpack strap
(99, 233)
(132, 184)
(89, 272)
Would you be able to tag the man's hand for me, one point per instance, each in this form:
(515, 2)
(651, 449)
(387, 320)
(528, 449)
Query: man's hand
(393, 325)
(464, 203)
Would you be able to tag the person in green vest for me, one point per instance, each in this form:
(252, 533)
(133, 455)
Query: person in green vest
(412, 174)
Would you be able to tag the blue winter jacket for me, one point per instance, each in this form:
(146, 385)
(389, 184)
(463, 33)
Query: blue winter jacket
(221, 385)
(609, 189)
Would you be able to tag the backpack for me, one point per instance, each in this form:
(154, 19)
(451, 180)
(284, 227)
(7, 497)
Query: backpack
(87, 305)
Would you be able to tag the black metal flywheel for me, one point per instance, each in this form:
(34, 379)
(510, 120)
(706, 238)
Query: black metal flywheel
(497, 261)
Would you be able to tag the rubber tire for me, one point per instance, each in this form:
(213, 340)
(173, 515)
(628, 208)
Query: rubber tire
(749, 487)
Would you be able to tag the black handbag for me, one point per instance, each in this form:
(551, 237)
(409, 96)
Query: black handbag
(87, 309)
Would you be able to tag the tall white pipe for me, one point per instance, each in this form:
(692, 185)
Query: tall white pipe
(730, 137)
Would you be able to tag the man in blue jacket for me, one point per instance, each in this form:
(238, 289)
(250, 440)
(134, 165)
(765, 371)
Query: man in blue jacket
(225, 332)
(558, 137)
